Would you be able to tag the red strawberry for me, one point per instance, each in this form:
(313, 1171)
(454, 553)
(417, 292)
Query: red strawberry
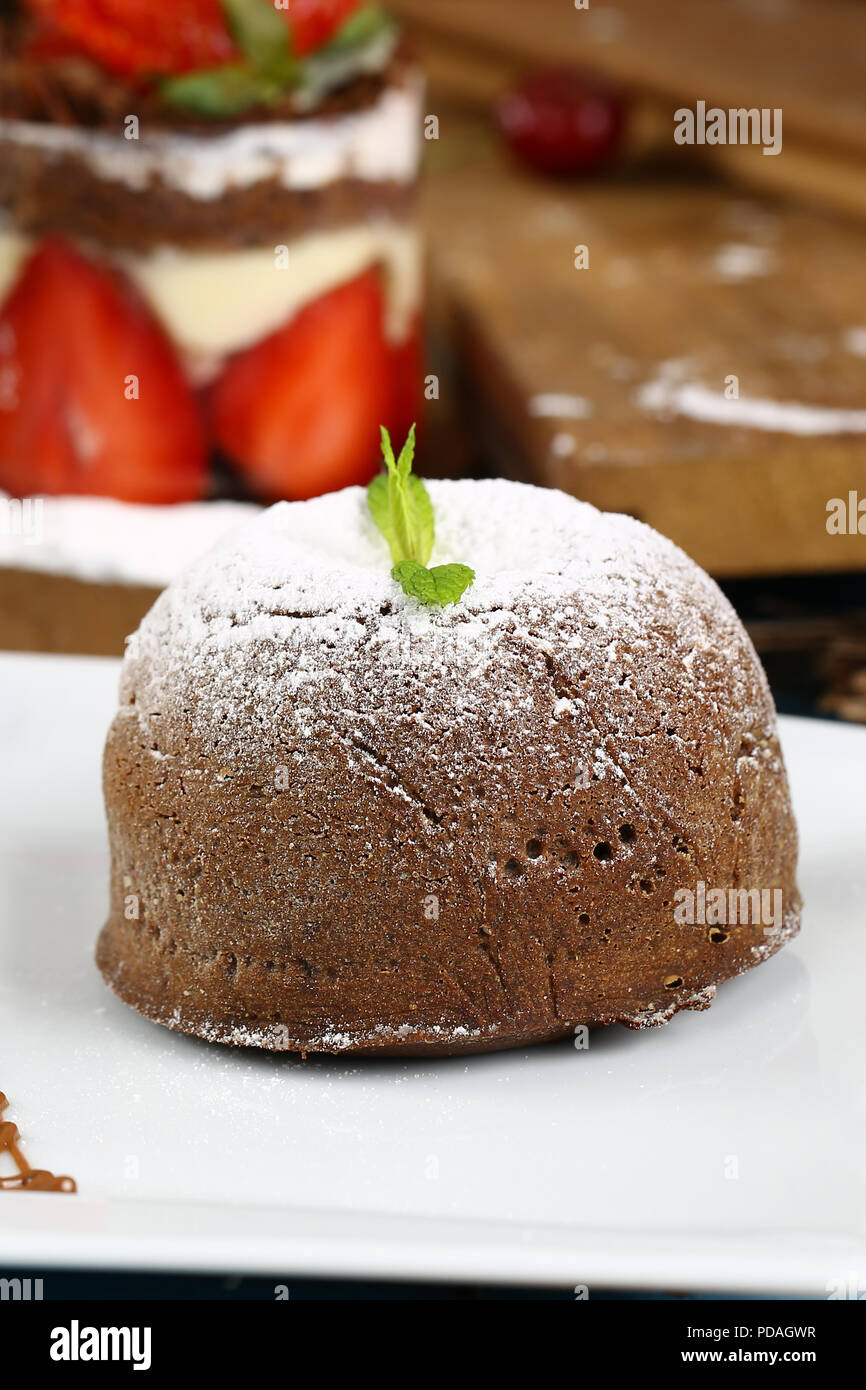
(562, 122)
(300, 412)
(314, 23)
(75, 347)
(44, 43)
(137, 38)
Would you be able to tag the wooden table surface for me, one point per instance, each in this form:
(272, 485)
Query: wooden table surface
(688, 286)
(807, 57)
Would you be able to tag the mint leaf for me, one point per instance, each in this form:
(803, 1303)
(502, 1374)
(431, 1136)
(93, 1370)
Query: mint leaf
(379, 502)
(436, 587)
(402, 509)
(260, 32)
(223, 91)
(260, 80)
(425, 527)
(359, 28)
(407, 520)
(269, 68)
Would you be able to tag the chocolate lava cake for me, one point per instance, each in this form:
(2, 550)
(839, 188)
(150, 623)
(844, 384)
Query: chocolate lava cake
(343, 821)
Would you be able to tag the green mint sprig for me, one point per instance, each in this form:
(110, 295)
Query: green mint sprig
(260, 31)
(228, 90)
(268, 68)
(403, 511)
(360, 27)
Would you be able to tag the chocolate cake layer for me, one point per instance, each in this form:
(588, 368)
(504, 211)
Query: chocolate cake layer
(43, 194)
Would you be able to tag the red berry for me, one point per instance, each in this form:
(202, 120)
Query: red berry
(562, 122)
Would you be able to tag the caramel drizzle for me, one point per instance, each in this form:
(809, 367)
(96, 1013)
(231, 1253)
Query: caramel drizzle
(27, 1179)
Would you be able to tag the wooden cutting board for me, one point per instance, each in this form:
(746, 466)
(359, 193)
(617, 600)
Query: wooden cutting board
(805, 56)
(614, 382)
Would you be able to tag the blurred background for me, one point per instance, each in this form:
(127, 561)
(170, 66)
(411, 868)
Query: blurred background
(638, 321)
(645, 284)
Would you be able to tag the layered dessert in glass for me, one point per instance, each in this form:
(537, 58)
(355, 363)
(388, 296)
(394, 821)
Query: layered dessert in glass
(210, 278)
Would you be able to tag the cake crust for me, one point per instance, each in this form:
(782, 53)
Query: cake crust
(340, 823)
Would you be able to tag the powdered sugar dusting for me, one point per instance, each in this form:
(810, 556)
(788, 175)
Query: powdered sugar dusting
(775, 937)
(310, 582)
(654, 1018)
(342, 1039)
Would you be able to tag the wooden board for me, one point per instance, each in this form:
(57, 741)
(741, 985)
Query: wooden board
(666, 283)
(807, 58)
(57, 613)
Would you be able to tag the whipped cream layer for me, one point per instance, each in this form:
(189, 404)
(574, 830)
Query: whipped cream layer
(380, 144)
(214, 303)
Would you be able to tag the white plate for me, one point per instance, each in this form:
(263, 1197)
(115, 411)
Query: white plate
(724, 1151)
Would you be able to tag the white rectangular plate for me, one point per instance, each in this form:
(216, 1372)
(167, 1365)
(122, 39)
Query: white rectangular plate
(724, 1151)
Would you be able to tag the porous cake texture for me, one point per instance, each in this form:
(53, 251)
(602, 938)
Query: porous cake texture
(343, 822)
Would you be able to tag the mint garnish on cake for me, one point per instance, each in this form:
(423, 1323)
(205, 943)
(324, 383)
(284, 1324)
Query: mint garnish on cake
(403, 511)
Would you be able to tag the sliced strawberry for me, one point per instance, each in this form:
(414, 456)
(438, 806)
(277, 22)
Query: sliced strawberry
(314, 23)
(136, 38)
(92, 398)
(43, 43)
(300, 412)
